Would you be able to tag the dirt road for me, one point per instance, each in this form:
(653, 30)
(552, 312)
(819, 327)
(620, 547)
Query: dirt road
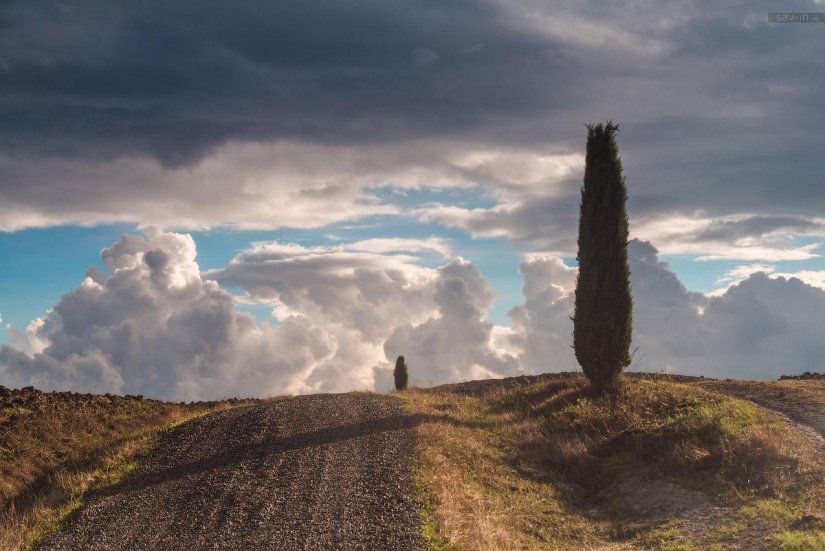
(311, 472)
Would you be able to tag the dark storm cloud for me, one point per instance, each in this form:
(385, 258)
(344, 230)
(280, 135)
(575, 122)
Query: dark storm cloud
(759, 164)
(756, 226)
(173, 80)
(720, 111)
(550, 221)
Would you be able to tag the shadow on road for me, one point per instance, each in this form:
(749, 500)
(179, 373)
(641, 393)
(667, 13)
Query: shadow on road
(267, 441)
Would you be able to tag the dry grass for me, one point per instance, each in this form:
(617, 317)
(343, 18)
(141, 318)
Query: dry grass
(55, 447)
(810, 391)
(541, 463)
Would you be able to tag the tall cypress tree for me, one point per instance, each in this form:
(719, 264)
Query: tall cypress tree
(602, 321)
(400, 374)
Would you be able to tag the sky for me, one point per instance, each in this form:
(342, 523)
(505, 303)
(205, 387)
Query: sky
(208, 199)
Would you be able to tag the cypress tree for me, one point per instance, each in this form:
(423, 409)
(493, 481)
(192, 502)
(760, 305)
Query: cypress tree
(400, 373)
(602, 321)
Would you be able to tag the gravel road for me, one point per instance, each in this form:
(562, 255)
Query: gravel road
(312, 472)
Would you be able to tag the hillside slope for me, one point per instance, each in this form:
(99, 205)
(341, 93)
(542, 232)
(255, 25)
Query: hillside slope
(521, 463)
(670, 463)
(56, 446)
(310, 472)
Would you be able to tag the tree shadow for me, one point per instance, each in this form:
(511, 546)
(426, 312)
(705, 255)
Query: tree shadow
(165, 467)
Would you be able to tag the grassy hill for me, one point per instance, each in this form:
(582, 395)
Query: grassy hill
(542, 463)
(523, 463)
(56, 447)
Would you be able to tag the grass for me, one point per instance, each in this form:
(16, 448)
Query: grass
(57, 447)
(528, 463)
(797, 541)
(543, 463)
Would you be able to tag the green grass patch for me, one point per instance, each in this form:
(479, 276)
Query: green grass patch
(795, 540)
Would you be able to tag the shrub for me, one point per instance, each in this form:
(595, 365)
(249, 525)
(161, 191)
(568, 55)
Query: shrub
(400, 373)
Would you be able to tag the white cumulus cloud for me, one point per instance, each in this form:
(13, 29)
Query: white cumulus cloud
(760, 327)
(542, 327)
(152, 326)
(381, 305)
(457, 344)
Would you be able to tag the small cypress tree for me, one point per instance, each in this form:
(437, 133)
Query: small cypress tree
(400, 373)
(602, 321)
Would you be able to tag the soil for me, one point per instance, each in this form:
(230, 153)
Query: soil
(651, 501)
(311, 472)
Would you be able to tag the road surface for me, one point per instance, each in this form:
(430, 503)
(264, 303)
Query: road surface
(311, 472)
